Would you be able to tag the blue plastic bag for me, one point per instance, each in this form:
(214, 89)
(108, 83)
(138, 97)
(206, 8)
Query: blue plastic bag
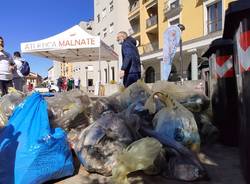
(30, 151)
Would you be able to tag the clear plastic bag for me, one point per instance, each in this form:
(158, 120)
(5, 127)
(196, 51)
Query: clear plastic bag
(7, 105)
(139, 155)
(69, 109)
(138, 91)
(174, 121)
(105, 104)
(98, 144)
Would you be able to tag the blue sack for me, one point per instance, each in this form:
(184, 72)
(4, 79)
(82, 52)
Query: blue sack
(30, 151)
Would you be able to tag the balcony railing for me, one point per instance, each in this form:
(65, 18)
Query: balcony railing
(134, 30)
(134, 6)
(173, 9)
(152, 21)
(150, 47)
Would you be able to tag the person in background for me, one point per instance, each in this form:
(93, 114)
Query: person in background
(77, 83)
(131, 65)
(7, 67)
(70, 84)
(64, 84)
(60, 83)
(18, 78)
(30, 87)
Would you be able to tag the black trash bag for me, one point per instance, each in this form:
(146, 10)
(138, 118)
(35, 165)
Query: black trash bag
(98, 145)
(209, 133)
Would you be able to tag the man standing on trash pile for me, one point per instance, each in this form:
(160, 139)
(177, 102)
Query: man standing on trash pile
(131, 65)
(7, 67)
(18, 78)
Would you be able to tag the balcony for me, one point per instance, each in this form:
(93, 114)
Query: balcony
(151, 21)
(150, 3)
(134, 6)
(173, 9)
(150, 47)
(134, 30)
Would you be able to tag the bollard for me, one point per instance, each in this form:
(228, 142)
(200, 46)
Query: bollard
(223, 90)
(237, 27)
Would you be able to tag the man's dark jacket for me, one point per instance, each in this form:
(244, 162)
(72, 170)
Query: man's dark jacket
(131, 62)
(131, 58)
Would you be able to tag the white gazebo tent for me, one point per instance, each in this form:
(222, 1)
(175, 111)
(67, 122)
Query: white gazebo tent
(72, 45)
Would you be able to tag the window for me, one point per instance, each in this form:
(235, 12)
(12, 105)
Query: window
(150, 75)
(111, 27)
(175, 21)
(106, 75)
(113, 72)
(214, 17)
(98, 18)
(111, 6)
(90, 82)
(104, 11)
(174, 4)
(90, 68)
(98, 34)
(104, 32)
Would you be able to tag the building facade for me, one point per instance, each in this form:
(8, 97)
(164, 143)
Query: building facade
(34, 79)
(111, 17)
(149, 19)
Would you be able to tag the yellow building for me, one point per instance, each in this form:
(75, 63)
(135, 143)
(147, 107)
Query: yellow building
(66, 69)
(149, 19)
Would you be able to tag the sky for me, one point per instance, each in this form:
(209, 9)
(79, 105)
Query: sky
(31, 20)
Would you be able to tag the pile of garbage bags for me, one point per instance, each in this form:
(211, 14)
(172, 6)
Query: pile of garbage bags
(155, 130)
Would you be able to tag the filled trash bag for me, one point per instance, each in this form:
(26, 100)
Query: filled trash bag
(138, 91)
(174, 121)
(177, 161)
(104, 105)
(139, 155)
(30, 151)
(98, 144)
(7, 105)
(209, 133)
(69, 110)
(180, 91)
(196, 103)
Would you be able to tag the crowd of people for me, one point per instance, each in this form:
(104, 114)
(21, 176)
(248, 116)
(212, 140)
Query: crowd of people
(10, 70)
(65, 84)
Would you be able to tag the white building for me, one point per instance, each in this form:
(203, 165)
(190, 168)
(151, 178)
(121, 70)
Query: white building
(111, 17)
(51, 74)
